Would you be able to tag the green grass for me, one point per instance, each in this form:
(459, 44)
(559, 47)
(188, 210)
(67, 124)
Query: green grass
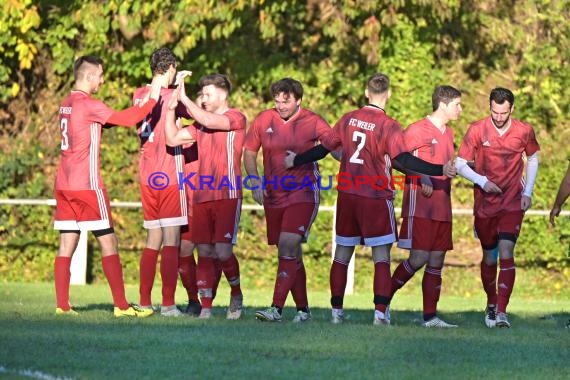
(95, 345)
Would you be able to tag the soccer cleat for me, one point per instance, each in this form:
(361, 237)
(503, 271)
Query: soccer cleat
(133, 311)
(490, 316)
(302, 316)
(337, 316)
(380, 319)
(205, 313)
(438, 323)
(170, 311)
(502, 320)
(234, 310)
(268, 315)
(60, 311)
(193, 308)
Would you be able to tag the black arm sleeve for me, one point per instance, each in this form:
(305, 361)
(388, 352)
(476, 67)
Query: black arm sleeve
(418, 165)
(316, 153)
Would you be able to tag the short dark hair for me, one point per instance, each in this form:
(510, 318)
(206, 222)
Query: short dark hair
(80, 62)
(218, 80)
(161, 60)
(500, 95)
(445, 95)
(378, 83)
(287, 86)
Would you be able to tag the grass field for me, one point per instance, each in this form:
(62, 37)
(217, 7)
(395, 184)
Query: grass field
(36, 344)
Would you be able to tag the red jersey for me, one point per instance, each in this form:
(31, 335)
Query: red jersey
(369, 140)
(424, 140)
(500, 159)
(276, 136)
(219, 166)
(156, 156)
(80, 121)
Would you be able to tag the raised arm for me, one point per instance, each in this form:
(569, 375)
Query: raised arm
(173, 135)
(132, 115)
(208, 119)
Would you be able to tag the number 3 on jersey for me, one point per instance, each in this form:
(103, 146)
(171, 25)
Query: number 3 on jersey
(64, 137)
(360, 138)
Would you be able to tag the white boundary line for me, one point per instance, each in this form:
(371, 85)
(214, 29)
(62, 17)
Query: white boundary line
(31, 373)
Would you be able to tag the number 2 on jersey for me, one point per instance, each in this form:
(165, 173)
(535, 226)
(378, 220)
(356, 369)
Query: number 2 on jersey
(360, 138)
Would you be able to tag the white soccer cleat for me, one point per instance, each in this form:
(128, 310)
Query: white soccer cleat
(380, 319)
(502, 321)
(438, 323)
(490, 316)
(302, 316)
(170, 311)
(268, 315)
(205, 313)
(234, 310)
(337, 316)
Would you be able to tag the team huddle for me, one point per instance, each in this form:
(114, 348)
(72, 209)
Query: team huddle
(367, 142)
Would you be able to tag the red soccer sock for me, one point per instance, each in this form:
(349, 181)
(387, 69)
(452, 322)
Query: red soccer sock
(187, 271)
(217, 276)
(62, 276)
(382, 285)
(114, 273)
(147, 271)
(489, 280)
(431, 289)
(338, 279)
(230, 267)
(169, 273)
(403, 273)
(205, 280)
(286, 273)
(506, 283)
(299, 289)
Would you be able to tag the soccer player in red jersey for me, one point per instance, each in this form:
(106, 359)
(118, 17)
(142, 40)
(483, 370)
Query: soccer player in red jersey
(82, 203)
(497, 145)
(163, 199)
(217, 198)
(289, 208)
(371, 141)
(427, 224)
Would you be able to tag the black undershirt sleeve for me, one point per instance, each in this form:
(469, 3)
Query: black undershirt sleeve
(408, 161)
(316, 153)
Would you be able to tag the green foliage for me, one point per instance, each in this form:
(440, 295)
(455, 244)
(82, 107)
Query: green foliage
(332, 47)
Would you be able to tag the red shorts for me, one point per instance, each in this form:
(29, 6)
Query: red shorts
(506, 226)
(425, 234)
(365, 221)
(86, 210)
(216, 221)
(164, 208)
(296, 219)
